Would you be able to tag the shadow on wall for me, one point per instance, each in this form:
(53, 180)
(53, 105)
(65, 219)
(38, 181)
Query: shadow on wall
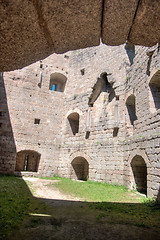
(101, 85)
(130, 50)
(7, 143)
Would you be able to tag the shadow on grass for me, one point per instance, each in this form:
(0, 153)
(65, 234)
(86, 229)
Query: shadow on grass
(23, 216)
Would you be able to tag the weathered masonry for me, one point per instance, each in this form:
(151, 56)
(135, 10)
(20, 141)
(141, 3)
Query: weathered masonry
(88, 114)
(34, 29)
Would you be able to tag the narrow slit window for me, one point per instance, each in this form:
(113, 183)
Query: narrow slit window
(115, 131)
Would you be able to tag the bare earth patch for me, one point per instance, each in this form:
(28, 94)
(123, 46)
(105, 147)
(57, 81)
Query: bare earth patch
(65, 217)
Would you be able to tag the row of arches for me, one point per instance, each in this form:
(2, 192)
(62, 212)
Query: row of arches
(28, 160)
(80, 171)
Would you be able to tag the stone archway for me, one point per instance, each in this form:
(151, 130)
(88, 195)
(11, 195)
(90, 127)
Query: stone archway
(27, 160)
(139, 171)
(82, 160)
(80, 168)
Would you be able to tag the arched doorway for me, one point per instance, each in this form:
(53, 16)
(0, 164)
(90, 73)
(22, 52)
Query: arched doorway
(139, 170)
(27, 160)
(80, 168)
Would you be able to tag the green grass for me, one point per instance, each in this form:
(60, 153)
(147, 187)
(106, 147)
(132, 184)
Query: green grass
(140, 214)
(115, 204)
(95, 191)
(15, 200)
(110, 203)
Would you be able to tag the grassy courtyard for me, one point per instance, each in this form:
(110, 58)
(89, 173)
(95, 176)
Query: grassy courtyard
(109, 203)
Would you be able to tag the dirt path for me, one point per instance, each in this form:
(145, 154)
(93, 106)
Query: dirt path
(41, 189)
(64, 217)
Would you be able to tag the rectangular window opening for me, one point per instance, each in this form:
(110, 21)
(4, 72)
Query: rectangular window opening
(36, 121)
(115, 131)
(117, 98)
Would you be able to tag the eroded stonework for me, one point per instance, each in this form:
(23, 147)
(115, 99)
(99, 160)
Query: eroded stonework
(92, 113)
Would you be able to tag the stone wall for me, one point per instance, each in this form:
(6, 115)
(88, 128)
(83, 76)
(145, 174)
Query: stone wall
(104, 125)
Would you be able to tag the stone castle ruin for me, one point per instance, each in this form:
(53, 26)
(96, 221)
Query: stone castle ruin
(87, 114)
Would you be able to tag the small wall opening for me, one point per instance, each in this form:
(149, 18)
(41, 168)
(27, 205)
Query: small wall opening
(57, 82)
(27, 160)
(36, 121)
(82, 71)
(115, 131)
(139, 170)
(73, 120)
(155, 91)
(131, 107)
(80, 169)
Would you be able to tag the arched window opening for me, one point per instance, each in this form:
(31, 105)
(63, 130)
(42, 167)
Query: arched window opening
(80, 169)
(155, 91)
(27, 160)
(57, 82)
(131, 107)
(139, 170)
(73, 123)
(102, 85)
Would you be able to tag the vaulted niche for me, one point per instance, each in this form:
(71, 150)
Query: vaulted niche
(101, 85)
(80, 168)
(57, 82)
(131, 107)
(139, 170)
(27, 160)
(155, 91)
(73, 123)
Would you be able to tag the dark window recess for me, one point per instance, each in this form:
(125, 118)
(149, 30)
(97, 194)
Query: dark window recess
(73, 123)
(36, 121)
(131, 107)
(87, 135)
(1, 114)
(115, 131)
(82, 71)
(41, 64)
(0, 125)
(57, 82)
(117, 98)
